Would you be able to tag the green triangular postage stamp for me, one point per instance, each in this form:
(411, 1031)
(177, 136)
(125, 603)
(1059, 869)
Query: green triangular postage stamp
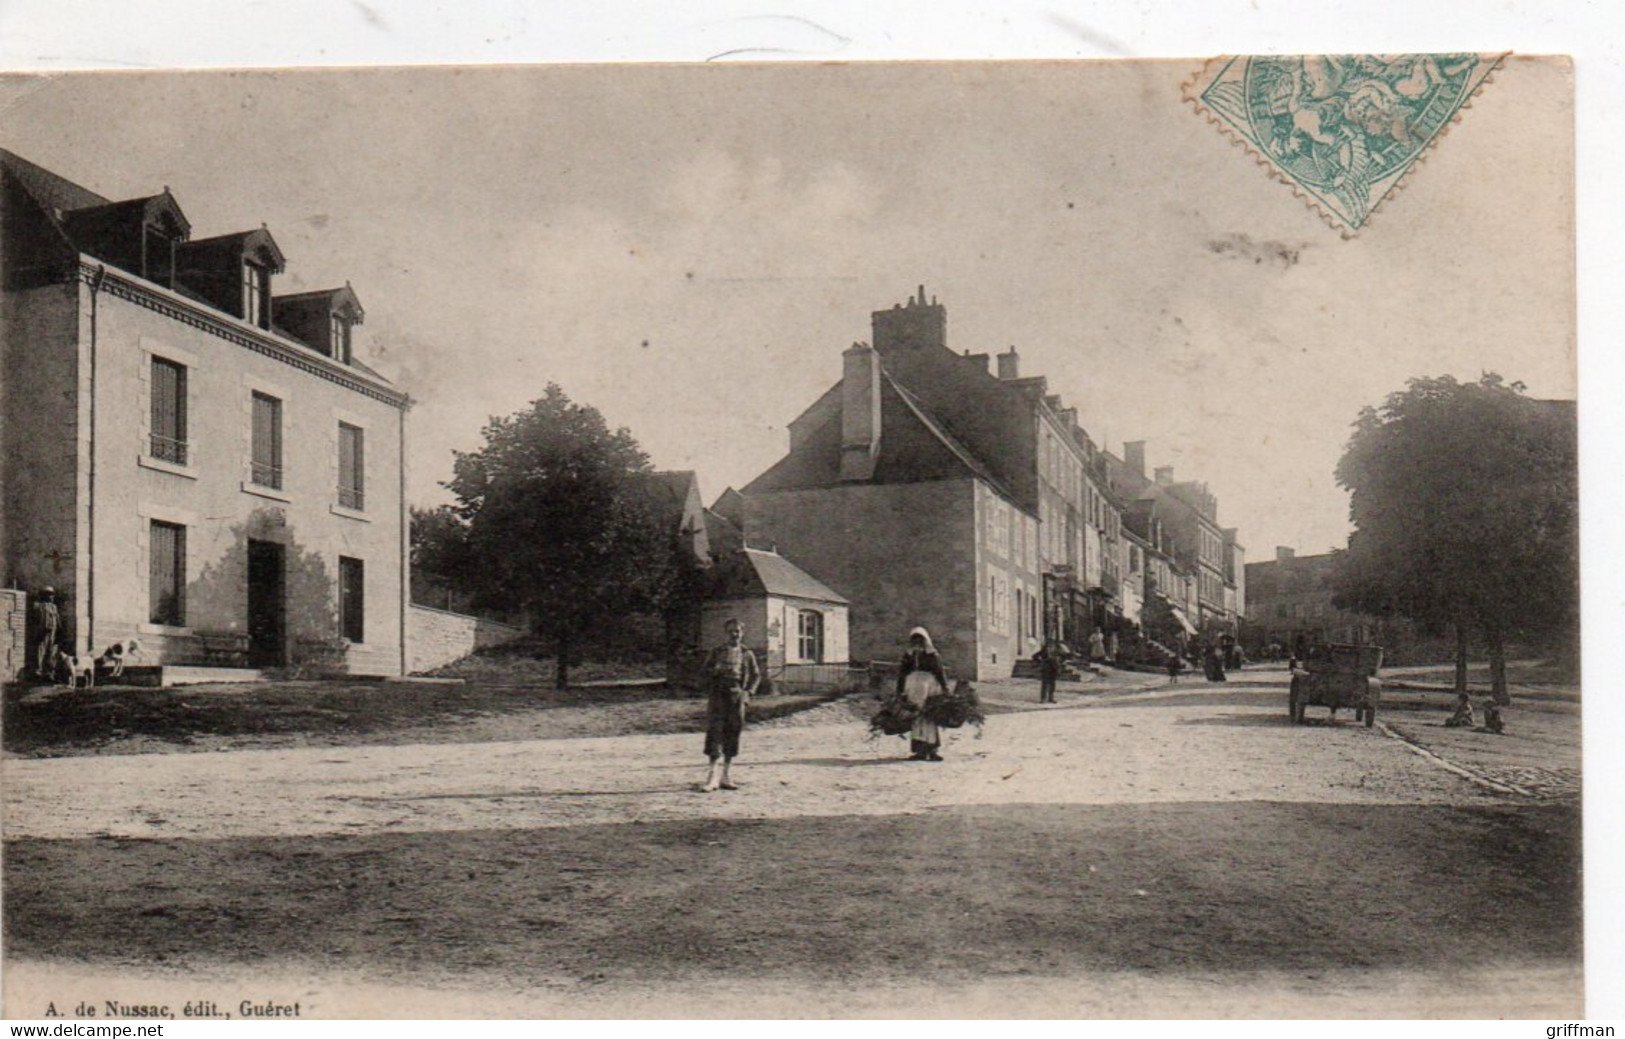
(1343, 130)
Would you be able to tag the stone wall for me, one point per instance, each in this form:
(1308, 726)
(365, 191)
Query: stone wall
(436, 638)
(13, 633)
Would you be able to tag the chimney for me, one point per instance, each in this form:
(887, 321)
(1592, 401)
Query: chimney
(1134, 457)
(1284, 554)
(982, 362)
(860, 412)
(919, 324)
(1010, 364)
(1165, 475)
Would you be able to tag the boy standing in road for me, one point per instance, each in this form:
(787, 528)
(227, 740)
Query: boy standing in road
(731, 677)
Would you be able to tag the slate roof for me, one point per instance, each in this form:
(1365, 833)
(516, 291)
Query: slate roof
(54, 192)
(916, 445)
(750, 573)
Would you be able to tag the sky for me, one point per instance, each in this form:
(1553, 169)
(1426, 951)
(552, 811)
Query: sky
(690, 248)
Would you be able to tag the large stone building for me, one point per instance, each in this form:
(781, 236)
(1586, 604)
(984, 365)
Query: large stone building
(1291, 605)
(950, 490)
(192, 460)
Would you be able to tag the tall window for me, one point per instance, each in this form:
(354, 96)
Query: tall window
(267, 462)
(168, 437)
(810, 635)
(352, 466)
(340, 339)
(352, 599)
(256, 295)
(167, 574)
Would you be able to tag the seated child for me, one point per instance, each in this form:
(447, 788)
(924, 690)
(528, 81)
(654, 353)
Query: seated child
(1463, 716)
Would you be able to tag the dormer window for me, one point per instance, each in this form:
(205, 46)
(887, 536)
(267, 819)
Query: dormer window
(256, 295)
(339, 338)
(139, 235)
(233, 273)
(323, 320)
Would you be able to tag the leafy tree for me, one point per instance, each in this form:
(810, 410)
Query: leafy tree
(556, 523)
(440, 556)
(1465, 505)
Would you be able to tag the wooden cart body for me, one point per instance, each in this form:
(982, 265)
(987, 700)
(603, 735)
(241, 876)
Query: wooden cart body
(1337, 676)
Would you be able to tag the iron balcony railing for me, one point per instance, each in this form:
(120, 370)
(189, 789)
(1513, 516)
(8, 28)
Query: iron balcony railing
(168, 449)
(267, 475)
(351, 498)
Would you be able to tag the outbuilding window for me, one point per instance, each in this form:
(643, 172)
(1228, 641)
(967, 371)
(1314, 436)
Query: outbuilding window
(810, 636)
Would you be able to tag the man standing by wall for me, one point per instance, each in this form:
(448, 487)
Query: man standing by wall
(47, 627)
(731, 677)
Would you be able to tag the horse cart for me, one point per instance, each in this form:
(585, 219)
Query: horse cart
(1337, 676)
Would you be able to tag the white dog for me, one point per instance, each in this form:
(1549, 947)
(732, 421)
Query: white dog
(119, 656)
(70, 669)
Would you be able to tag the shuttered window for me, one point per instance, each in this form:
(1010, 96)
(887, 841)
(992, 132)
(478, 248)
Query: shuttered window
(168, 435)
(352, 599)
(352, 466)
(167, 574)
(267, 464)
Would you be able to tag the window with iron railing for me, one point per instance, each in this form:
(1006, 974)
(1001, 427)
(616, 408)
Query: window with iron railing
(167, 437)
(352, 467)
(266, 467)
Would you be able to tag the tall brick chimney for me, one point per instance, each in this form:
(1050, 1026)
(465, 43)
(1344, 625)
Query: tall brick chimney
(1010, 364)
(1284, 554)
(917, 325)
(1134, 457)
(860, 412)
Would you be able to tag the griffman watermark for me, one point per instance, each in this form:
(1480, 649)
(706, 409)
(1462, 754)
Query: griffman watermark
(1553, 1031)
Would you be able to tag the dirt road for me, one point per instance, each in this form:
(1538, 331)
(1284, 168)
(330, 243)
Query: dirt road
(1131, 853)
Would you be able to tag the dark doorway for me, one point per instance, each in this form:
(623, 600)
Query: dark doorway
(267, 604)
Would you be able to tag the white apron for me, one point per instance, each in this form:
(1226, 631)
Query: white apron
(918, 687)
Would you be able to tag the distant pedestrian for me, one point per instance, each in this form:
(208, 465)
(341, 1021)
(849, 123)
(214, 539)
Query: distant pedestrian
(1097, 647)
(1175, 666)
(1050, 659)
(731, 677)
(919, 678)
(1111, 648)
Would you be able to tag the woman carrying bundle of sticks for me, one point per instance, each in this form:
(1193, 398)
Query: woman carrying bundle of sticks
(919, 678)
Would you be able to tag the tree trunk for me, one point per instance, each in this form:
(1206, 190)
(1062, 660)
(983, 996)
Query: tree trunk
(1498, 665)
(561, 663)
(1461, 657)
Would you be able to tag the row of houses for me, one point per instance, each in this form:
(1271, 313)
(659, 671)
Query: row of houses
(949, 490)
(202, 464)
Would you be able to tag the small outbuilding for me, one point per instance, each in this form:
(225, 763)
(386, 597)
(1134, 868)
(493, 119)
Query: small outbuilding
(796, 624)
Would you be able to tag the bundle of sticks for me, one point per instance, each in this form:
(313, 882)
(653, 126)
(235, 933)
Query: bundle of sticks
(955, 708)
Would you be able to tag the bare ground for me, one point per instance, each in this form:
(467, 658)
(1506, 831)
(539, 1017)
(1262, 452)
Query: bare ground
(1136, 851)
